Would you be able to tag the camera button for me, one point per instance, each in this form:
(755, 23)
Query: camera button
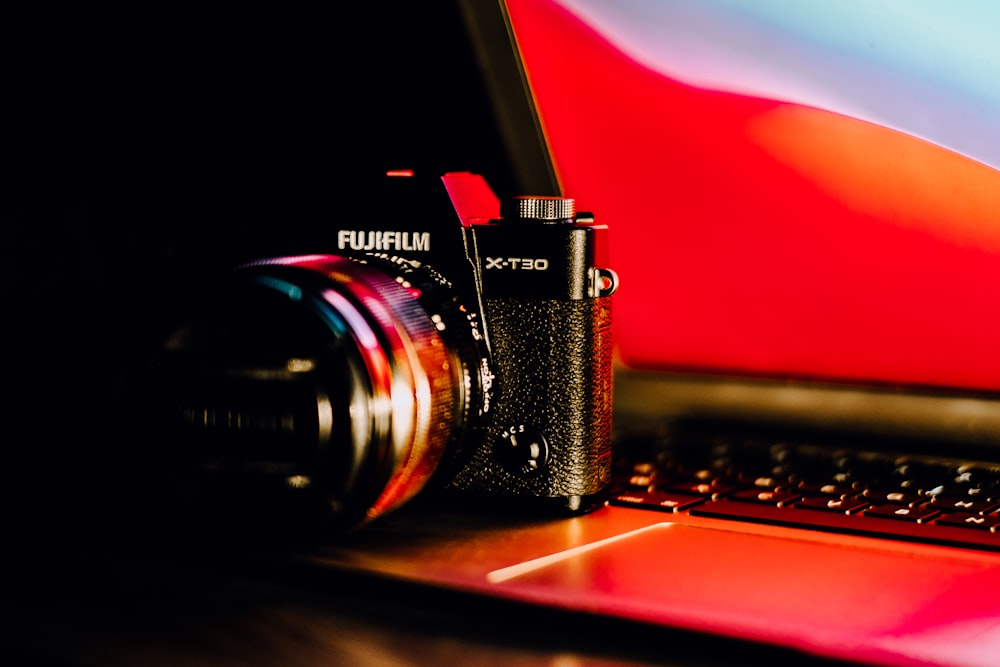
(522, 450)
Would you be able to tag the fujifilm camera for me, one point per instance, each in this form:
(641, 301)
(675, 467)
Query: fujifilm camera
(447, 341)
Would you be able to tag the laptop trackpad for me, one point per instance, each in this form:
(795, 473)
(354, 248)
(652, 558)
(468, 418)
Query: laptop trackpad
(764, 587)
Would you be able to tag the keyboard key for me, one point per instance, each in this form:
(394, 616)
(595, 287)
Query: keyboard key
(646, 480)
(766, 497)
(841, 505)
(902, 513)
(657, 500)
(969, 521)
(904, 498)
(965, 505)
(704, 489)
(765, 482)
(821, 489)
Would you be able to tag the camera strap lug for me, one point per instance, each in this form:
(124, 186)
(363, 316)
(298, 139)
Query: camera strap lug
(603, 282)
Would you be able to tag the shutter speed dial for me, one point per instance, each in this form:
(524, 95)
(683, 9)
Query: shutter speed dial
(531, 208)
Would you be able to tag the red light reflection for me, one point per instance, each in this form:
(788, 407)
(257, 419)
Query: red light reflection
(758, 235)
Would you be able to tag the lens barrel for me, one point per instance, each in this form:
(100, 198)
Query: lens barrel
(342, 382)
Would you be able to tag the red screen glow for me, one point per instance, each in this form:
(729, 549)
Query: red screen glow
(768, 237)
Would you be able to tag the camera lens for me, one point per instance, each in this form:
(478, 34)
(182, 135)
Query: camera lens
(323, 381)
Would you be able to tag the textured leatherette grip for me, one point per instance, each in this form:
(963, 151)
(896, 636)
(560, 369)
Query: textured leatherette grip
(554, 364)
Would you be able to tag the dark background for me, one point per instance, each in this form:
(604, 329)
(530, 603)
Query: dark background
(147, 150)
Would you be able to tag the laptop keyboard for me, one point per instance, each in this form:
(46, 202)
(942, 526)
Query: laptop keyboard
(858, 491)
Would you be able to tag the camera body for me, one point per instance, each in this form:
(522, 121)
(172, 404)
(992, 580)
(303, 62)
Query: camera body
(448, 341)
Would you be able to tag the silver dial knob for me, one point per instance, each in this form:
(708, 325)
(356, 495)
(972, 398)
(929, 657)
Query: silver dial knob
(541, 209)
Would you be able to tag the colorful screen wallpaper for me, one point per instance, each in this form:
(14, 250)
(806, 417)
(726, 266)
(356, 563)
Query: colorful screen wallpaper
(794, 189)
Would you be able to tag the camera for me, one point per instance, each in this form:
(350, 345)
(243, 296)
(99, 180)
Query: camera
(444, 340)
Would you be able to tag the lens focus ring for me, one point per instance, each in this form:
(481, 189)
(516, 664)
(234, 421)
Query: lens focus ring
(405, 382)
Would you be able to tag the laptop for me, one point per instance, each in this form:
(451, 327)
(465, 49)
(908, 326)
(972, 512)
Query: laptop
(802, 202)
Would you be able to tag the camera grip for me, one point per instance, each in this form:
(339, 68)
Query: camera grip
(555, 361)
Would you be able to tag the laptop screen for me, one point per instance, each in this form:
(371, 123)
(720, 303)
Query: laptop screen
(795, 190)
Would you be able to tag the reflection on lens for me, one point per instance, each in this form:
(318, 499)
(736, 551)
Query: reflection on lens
(348, 381)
